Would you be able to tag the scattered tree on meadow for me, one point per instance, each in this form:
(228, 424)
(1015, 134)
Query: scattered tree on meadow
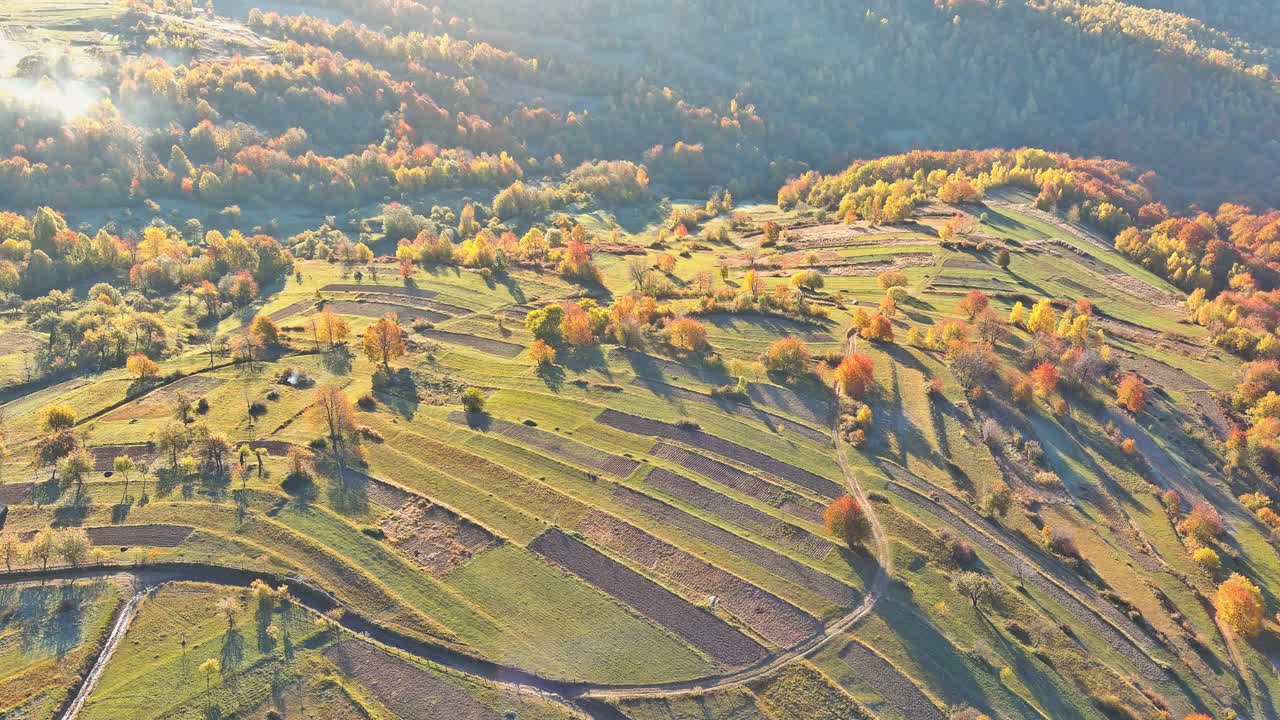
(878, 328)
(997, 500)
(973, 303)
(329, 329)
(384, 341)
(787, 356)
(265, 330)
(473, 400)
(1202, 524)
(1131, 393)
(854, 375)
(687, 333)
(123, 466)
(892, 278)
(1239, 605)
(975, 586)
(542, 354)
(846, 519)
(73, 546)
(42, 547)
(142, 367)
(11, 549)
(335, 414)
(1045, 379)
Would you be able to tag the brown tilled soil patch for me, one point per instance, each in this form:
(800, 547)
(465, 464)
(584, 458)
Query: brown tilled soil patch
(15, 493)
(405, 689)
(698, 627)
(132, 535)
(740, 514)
(104, 456)
(841, 235)
(476, 342)
(434, 537)
(361, 308)
(160, 402)
(810, 409)
(894, 689)
(287, 311)
(383, 289)
(710, 443)
(744, 482)
(774, 619)
(561, 447)
(871, 268)
(12, 341)
(780, 565)
(774, 422)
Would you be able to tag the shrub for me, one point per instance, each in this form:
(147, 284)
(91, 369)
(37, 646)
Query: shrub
(1061, 542)
(959, 551)
(1131, 394)
(1255, 501)
(1047, 480)
(1208, 559)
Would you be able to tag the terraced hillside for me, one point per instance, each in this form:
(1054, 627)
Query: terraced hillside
(340, 377)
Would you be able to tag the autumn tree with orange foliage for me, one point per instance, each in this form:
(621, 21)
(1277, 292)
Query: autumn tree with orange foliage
(788, 356)
(384, 341)
(1202, 524)
(973, 303)
(847, 520)
(1131, 394)
(1239, 605)
(688, 333)
(1045, 379)
(541, 353)
(575, 327)
(878, 329)
(854, 375)
(143, 367)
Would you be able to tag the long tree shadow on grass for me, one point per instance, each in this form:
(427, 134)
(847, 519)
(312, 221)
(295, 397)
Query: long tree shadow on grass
(552, 376)
(49, 619)
(232, 654)
(47, 492)
(338, 360)
(350, 494)
(939, 661)
(398, 390)
(1032, 677)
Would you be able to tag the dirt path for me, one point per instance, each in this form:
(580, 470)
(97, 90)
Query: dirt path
(123, 621)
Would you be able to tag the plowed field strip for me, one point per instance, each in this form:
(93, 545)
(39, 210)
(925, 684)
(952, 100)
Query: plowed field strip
(710, 443)
(740, 514)
(561, 447)
(744, 482)
(776, 563)
(698, 627)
